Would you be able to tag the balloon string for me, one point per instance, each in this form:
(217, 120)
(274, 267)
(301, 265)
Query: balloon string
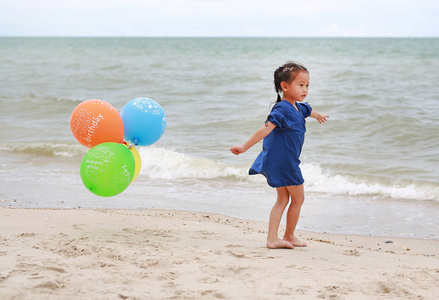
(129, 145)
(201, 147)
(207, 147)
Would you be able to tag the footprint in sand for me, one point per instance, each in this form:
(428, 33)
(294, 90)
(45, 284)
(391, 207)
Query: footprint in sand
(237, 255)
(50, 285)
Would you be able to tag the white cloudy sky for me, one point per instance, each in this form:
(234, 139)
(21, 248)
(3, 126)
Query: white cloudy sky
(313, 18)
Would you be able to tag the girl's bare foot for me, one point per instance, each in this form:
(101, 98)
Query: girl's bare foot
(278, 243)
(295, 241)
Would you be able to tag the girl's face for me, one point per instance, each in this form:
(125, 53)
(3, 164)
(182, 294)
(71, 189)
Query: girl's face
(297, 90)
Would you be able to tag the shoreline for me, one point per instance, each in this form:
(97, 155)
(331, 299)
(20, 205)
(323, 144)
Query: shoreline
(162, 254)
(182, 212)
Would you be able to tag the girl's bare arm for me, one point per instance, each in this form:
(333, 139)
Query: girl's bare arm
(256, 137)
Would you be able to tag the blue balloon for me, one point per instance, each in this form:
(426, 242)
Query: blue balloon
(144, 121)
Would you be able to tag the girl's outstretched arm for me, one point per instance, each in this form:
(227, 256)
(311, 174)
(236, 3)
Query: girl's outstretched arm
(319, 116)
(256, 137)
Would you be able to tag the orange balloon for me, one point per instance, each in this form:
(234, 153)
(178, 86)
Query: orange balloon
(94, 122)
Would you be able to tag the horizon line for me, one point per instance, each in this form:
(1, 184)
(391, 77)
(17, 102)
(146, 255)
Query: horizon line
(206, 36)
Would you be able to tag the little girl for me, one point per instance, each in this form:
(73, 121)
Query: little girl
(283, 134)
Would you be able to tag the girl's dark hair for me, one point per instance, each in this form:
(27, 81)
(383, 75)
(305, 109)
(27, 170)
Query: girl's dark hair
(286, 73)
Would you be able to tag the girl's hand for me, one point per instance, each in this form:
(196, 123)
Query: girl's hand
(237, 150)
(321, 118)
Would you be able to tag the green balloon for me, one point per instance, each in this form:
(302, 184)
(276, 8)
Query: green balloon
(107, 169)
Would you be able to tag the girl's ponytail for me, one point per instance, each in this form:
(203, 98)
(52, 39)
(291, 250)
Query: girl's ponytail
(277, 87)
(279, 98)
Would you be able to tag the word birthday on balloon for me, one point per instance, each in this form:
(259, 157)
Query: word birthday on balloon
(113, 162)
(91, 128)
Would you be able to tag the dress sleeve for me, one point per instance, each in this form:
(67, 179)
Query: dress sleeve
(276, 117)
(305, 109)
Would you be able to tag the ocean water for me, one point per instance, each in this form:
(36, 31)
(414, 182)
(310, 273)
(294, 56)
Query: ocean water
(372, 169)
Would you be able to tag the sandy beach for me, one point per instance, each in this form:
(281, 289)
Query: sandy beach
(152, 254)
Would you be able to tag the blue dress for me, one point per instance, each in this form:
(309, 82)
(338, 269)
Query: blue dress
(279, 159)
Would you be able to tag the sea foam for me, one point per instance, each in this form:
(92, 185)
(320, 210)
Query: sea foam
(168, 164)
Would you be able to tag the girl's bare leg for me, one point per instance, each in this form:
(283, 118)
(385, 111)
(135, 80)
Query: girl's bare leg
(297, 198)
(273, 241)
